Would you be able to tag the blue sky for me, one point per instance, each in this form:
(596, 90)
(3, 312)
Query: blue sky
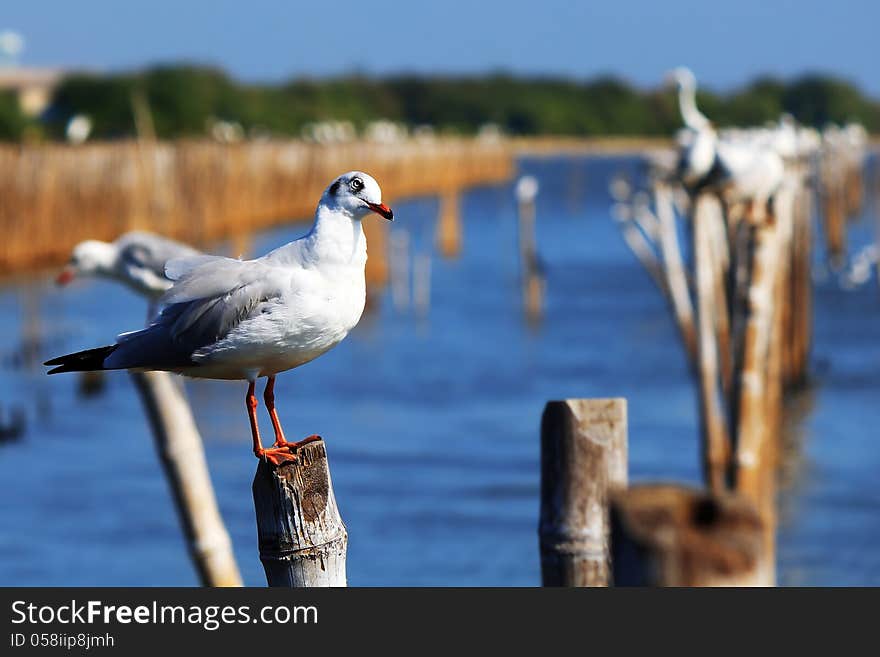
(726, 43)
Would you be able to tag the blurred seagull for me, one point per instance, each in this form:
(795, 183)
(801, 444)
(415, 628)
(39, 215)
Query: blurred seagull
(234, 319)
(136, 259)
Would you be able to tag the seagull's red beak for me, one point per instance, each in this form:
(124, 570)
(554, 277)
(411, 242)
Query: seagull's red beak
(383, 210)
(67, 274)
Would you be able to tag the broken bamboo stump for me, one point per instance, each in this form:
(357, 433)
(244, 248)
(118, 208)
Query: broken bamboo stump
(183, 459)
(302, 538)
(583, 459)
(671, 535)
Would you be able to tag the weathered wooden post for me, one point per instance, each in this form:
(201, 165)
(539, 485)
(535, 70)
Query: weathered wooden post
(834, 211)
(711, 307)
(422, 283)
(676, 276)
(302, 538)
(183, 459)
(376, 271)
(398, 260)
(449, 229)
(670, 535)
(526, 192)
(583, 459)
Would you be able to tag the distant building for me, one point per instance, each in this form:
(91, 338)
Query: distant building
(34, 86)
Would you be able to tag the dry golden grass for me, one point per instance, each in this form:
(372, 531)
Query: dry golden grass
(54, 196)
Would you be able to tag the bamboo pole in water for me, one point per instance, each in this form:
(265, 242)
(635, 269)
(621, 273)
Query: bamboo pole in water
(302, 538)
(676, 277)
(183, 460)
(531, 273)
(669, 535)
(583, 459)
(377, 271)
(449, 231)
(759, 400)
(715, 439)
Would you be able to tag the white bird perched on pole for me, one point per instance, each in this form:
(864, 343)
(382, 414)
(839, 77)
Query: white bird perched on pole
(137, 259)
(232, 319)
(686, 82)
(744, 167)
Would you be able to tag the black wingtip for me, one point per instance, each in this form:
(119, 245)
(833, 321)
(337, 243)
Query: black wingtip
(81, 361)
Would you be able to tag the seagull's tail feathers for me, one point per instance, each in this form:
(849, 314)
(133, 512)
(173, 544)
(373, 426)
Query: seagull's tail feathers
(82, 361)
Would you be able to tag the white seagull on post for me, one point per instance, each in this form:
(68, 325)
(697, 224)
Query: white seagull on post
(232, 319)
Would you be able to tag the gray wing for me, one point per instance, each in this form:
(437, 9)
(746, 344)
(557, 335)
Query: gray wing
(209, 300)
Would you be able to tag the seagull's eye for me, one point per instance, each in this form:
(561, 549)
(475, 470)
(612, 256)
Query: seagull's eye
(356, 185)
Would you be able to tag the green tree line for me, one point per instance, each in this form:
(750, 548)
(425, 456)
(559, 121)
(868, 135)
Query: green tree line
(182, 100)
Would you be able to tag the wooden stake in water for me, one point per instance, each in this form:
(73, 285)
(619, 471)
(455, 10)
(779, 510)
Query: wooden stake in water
(449, 229)
(583, 458)
(399, 263)
(376, 270)
(715, 440)
(302, 538)
(531, 271)
(183, 460)
(422, 283)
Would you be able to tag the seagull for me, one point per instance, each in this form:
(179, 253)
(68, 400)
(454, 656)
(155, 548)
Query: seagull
(244, 319)
(137, 259)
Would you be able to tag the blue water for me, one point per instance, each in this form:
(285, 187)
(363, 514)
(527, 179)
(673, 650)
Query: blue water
(431, 422)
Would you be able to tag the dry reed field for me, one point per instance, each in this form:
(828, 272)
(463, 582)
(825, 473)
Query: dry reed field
(56, 195)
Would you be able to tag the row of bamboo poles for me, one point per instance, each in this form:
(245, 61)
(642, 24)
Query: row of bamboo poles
(742, 301)
(55, 196)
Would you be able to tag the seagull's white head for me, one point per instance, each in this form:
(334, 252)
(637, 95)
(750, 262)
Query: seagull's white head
(682, 77)
(357, 194)
(88, 258)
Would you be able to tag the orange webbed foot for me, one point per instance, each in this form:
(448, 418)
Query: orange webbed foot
(285, 452)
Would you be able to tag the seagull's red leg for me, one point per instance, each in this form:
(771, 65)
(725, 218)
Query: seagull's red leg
(274, 455)
(269, 398)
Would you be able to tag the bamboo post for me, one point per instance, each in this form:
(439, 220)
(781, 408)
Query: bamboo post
(422, 283)
(670, 535)
(715, 439)
(752, 435)
(530, 268)
(803, 280)
(758, 401)
(834, 220)
(376, 270)
(583, 458)
(301, 535)
(183, 460)
(449, 224)
(399, 265)
(676, 278)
